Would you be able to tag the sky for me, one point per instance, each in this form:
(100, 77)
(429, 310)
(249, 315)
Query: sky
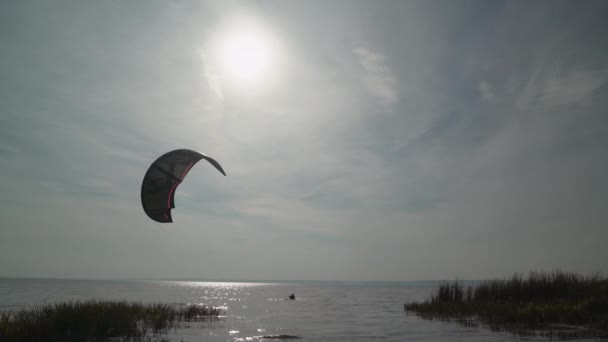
(362, 140)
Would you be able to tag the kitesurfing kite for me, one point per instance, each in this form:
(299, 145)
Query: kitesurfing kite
(163, 177)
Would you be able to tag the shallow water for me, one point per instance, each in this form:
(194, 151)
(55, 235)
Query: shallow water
(335, 311)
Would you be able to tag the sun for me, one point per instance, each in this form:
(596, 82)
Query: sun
(247, 56)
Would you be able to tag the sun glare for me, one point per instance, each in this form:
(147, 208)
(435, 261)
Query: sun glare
(246, 55)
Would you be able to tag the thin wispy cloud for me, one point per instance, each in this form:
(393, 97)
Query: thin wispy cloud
(377, 76)
(561, 86)
(486, 92)
(572, 86)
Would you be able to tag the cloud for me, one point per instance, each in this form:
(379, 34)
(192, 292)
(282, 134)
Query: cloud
(559, 86)
(571, 86)
(378, 78)
(486, 92)
(213, 93)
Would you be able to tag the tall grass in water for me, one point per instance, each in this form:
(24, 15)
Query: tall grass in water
(538, 301)
(96, 321)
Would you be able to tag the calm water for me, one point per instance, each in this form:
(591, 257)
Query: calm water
(321, 311)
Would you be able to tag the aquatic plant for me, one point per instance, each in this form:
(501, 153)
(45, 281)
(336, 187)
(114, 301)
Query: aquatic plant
(520, 304)
(97, 321)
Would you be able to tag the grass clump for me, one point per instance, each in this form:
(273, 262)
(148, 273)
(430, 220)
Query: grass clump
(96, 321)
(542, 301)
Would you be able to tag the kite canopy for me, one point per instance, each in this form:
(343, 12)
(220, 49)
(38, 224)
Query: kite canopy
(163, 177)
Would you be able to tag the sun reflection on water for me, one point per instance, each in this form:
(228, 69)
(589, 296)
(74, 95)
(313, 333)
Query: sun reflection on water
(215, 284)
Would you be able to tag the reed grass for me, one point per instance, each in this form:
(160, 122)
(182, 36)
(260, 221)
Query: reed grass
(97, 321)
(540, 301)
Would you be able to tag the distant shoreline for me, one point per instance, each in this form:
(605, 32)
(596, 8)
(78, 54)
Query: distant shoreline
(336, 282)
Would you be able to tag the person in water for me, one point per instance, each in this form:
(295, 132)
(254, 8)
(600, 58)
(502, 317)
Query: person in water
(292, 296)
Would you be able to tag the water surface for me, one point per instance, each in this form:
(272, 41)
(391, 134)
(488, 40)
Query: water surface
(322, 311)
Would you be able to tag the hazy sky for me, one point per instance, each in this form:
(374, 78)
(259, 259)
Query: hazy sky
(375, 140)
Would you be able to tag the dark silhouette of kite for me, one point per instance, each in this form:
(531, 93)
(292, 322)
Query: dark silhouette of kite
(163, 177)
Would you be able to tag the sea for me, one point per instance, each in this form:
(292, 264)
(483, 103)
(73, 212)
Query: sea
(261, 311)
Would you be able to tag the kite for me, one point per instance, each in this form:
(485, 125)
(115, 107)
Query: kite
(163, 177)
